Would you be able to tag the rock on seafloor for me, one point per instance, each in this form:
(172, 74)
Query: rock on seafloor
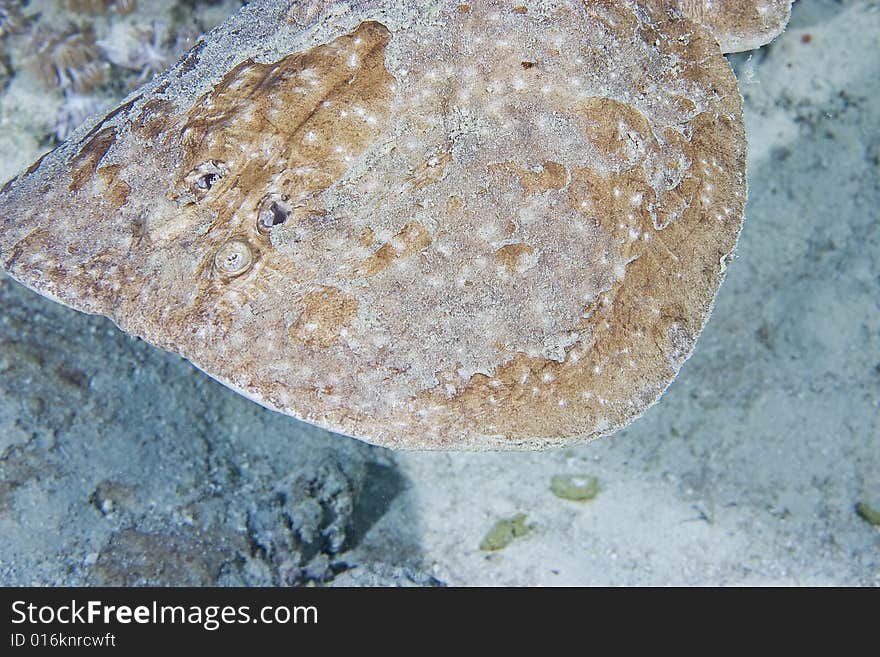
(466, 226)
(171, 481)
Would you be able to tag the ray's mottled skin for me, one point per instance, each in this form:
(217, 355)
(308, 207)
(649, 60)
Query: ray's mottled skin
(469, 227)
(739, 25)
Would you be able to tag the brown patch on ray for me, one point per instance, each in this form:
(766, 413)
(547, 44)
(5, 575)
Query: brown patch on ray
(549, 176)
(367, 237)
(326, 312)
(552, 176)
(85, 163)
(411, 239)
(117, 190)
(431, 171)
(294, 105)
(153, 118)
(609, 123)
(35, 239)
(513, 256)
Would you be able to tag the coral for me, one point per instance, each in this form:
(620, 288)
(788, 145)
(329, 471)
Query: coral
(92, 7)
(138, 48)
(76, 109)
(125, 7)
(300, 532)
(96, 7)
(88, 62)
(11, 19)
(70, 59)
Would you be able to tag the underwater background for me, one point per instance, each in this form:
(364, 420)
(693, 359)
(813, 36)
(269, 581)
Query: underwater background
(121, 464)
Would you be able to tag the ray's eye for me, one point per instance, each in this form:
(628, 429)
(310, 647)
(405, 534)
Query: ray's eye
(233, 259)
(207, 181)
(201, 179)
(273, 211)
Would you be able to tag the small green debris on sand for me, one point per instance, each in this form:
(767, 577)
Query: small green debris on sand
(578, 488)
(868, 513)
(503, 532)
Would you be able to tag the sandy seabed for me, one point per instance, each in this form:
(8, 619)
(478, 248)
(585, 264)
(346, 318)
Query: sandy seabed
(121, 464)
